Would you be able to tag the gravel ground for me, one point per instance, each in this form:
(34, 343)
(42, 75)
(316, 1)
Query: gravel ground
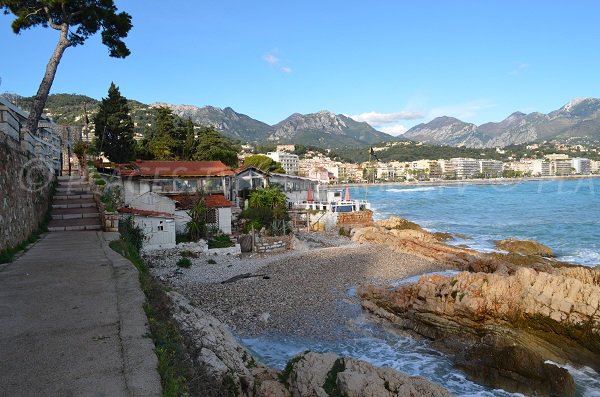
(307, 291)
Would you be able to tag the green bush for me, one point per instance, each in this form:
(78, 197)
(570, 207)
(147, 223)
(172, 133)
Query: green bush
(184, 262)
(130, 232)
(100, 182)
(220, 241)
(211, 261)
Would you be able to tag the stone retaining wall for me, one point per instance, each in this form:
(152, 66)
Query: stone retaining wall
(355, 218)
(272, 244)
(25, 185)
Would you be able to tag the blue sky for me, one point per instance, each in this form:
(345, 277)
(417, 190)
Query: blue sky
(391, 63)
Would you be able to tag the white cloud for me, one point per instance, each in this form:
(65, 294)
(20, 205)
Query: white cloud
(395, 129)
(271, 59)
(286, 69)
(461, 111)
(378, 119)
(520, 68)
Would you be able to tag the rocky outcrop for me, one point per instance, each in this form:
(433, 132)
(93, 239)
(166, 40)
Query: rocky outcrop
(504, 317)
(327, 374)
(309, 374)
(524, 247)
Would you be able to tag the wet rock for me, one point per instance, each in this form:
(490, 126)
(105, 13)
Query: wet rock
(524, 247)
(501, 328)
(327, 374)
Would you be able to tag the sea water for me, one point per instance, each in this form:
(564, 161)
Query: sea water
(563, 214)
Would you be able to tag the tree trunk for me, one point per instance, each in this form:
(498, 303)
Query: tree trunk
(42, 94)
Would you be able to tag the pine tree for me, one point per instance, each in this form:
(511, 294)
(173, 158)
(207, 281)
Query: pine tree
(213, 146)
(114, 127)
(162, 143)
(76, 20)
(189, 147)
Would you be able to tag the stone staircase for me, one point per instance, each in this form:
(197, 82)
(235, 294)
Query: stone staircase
(74, 207)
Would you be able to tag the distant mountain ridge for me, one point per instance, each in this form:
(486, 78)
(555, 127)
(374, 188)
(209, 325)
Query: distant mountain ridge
(578, 118)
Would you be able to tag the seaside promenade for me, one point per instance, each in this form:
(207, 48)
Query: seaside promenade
(72, 322)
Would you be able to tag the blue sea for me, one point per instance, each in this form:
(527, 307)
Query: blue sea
(563, 214)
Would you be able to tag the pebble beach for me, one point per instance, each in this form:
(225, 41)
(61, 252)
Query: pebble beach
(305, 291)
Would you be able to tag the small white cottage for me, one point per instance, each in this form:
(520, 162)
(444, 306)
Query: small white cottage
(155, 215)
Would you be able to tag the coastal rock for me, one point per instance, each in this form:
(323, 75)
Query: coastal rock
(398, 223)
(215, 348)
(326, 374)
(524, 247)
(502, 328)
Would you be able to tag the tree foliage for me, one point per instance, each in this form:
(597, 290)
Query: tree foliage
(76, 20)
(212, 146)
(263, 162)
(266, 205)
(114, 127)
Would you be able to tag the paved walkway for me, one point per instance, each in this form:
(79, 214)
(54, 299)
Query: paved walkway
(72, 323)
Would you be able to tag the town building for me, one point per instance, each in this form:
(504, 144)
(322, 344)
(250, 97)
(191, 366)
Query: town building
(490, 168)
(155, 215)
(180, 181)
(289, 162)
(561, 167)
(540, 168)
(286, 148)
(582, 166)
(174, 177)
(462, 168)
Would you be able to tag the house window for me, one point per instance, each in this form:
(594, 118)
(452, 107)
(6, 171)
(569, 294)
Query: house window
(185, 185)
(212, 216)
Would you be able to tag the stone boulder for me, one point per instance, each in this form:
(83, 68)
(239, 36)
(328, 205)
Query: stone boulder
(398, 224)
(327, 374)
(524, 247)
(502, 328)
(216, 349)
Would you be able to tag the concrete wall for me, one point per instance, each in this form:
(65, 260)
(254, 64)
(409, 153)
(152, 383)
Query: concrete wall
(25, 186)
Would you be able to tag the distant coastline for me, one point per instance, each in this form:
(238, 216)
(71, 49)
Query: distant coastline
(488, 181)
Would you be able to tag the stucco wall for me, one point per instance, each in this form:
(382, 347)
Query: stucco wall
(25, 185)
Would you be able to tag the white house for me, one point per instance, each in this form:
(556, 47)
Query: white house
(218, 214)
(154, 214)
(174, 178)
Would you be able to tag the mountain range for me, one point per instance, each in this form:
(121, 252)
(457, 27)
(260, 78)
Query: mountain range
(578, 118)
(323, 129)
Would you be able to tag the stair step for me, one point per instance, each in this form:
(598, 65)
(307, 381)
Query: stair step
(77, 203)
(73, 196)
(66, 178)
(91, 215)
(57, 225)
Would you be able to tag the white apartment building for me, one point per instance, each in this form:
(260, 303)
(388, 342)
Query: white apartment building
(556, 156)
(540, 168)
(595, 166)
(490, 168)
(462, 168)
(524, 167)
(289, 162)
(582, 166)
(561, 167)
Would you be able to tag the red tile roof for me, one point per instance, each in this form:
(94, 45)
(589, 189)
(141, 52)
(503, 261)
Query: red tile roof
(156, 168)
(217, 201)
(184, 201)
(135, 211)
